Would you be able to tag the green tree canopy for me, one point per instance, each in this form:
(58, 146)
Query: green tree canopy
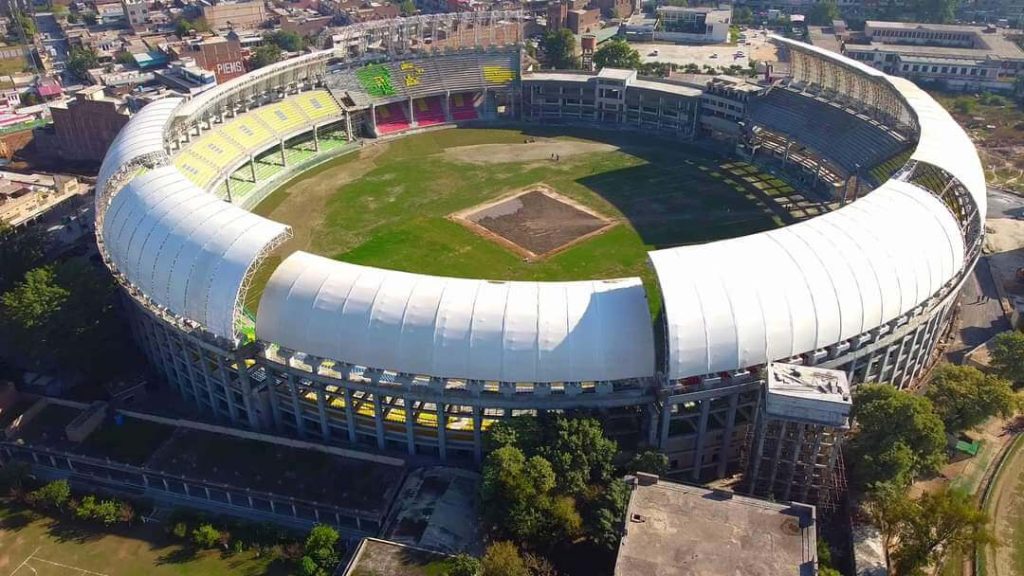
(407, 7)
(898, 436)
(503, 559)
(617, 54)
(938, 11)
(53, 494)
(964, 397)
(463, 565)
(945, 521)
(265, 55)
(80, 60)
(287, 41)
(320, 550)
(823, 13)
(1008, 355)
(559, 47)
(205, 536)
(649, 461)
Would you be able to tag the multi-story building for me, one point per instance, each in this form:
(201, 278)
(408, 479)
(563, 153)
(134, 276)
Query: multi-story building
(85, 125)
(218, 54)
(235, 15)
(136, 12)
(700, 24)
(955, 56)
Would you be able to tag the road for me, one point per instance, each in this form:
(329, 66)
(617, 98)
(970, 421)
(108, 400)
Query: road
(53, 37)
(981, 315)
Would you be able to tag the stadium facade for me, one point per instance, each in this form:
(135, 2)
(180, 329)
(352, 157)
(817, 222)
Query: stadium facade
(356, 355)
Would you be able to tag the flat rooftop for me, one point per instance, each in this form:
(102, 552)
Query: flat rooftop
(676, 530)
(375, 556)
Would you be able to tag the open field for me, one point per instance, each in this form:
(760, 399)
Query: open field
(1006, 507)
(388, 205)
(34, 545)
(997, 128)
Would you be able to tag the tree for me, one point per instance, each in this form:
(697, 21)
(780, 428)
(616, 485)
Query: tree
(946, 521)
(516, 493)
(205, 536)
(463, 565)
(898, 435)
(649, 461)
(265, 55)
(27, 24)
(125, 58)
(605, 512)
(1008, 355)
(90, 18)
(287, 41)
(53, 494)
(31, 303)
(823, 13)
(964, 397)
(407, 7)
(183, 26)
(503, 559)
(579, 453)
(887, 506)
(320, 549)
(559, 47)
(617, 54)
(81, 60)
(743, 15)
(938, 11)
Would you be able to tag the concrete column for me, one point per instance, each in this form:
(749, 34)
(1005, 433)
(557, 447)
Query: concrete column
(321, 407)
(442, 435)
(252, 167)
(275, 408)
(225, 383)
(702, 432)
(350, 416)
(373, 119)
(378, 420)
(227, 187)
(410, 430)
(666, 416)
(316, 140)
(478, 424)
(412, 114)
(348, 127)
(448, 105)
(300, 424)
(730, 426)
(284, 161)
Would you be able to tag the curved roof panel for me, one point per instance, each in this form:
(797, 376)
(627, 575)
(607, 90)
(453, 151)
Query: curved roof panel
(459, 328)
(144, 134)
(186, 250)
(745, 301)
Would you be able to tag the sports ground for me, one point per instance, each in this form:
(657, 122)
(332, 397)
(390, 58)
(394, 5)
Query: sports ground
(395, 204)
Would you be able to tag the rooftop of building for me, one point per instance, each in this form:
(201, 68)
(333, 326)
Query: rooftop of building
(616, 74)
(808, 394)
(675, 530)
(991, 43)
(375, 556)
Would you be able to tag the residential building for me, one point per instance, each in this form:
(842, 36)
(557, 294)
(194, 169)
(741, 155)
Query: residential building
(84, 126)
(234, 15)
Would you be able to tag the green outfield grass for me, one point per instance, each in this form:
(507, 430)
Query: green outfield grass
(388, 206)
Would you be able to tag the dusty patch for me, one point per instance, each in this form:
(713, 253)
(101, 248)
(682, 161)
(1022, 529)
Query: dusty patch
(535, 222)
(540, 149)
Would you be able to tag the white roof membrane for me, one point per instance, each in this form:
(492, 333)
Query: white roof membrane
(459, 328)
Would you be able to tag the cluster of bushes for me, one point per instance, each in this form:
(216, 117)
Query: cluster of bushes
(317, 555)
(57, 497)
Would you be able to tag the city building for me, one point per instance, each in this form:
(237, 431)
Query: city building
(701, 25)
(222, 55)
(954, 56)
(84, 126)
(235, 15)
(186, 77)
(678, 530)
(26, 197)
(136, 12)
(800, 427)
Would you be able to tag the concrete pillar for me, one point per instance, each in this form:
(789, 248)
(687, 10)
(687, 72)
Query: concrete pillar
(348, 127)
(448, 105)
(378, 420)
(373, 119)
(730, 426)
(284, 160)
(410, 431)
(478, 425)
(321, 408)
(702, 432)
(412, 114)
(350, 416)
(252, 167)
(316, 140)
(442, 435)
(666, 416)
(225, 382)
(300, 424)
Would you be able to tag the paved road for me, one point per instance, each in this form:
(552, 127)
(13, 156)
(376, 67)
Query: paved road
(1004, 205)
(981, 315)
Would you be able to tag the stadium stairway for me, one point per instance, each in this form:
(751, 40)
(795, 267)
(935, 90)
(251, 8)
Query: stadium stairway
(428, 111)
(462, 106)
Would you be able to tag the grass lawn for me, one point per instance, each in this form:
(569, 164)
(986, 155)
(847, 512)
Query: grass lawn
(387, 206)
(34, 545)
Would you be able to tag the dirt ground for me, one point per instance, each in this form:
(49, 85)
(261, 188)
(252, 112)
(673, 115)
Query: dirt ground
(537, 222)
(1006, 506)
(540, 149)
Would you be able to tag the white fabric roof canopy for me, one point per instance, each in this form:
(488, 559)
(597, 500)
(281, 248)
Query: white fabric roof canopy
(186, 250)
(144, 134)
(459, 328)
(745, 301)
